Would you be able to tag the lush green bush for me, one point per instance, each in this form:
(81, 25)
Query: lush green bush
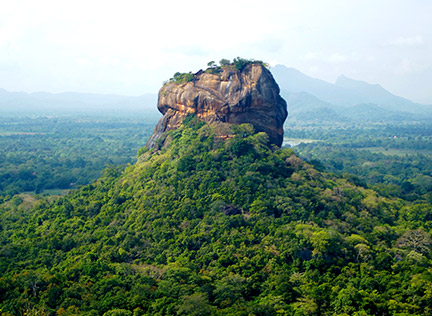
(182, 77)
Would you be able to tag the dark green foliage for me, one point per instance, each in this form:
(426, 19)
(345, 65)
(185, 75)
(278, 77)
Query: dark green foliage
(240, 63)
(224, 62)
(158, 239)
(182, 77)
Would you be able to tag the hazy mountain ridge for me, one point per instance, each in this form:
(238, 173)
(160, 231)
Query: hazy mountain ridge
(306, 95)
(346, 97)
(18, 102)
(292, 80)
(375, 93)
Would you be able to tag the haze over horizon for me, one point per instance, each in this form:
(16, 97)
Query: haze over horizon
(130, 48)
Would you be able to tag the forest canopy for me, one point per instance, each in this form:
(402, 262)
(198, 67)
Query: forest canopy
(212, 227)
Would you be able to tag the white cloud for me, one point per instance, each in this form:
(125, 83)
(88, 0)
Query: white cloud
(401, 41)
(83, 61)
(337, 58)
(406, 66)
(311, 56)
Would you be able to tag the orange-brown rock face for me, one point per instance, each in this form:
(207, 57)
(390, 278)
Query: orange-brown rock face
(230, 96)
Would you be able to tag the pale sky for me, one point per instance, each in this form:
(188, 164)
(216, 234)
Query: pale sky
(130, 47)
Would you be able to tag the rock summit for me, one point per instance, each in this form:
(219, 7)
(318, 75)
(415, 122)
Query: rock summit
(224, 94)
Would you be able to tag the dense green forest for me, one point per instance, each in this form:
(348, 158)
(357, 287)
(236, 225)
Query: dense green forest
(52, 153)
(210, 227)
(394, 159)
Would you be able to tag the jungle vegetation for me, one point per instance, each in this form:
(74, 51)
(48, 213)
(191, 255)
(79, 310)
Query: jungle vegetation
(211, 227)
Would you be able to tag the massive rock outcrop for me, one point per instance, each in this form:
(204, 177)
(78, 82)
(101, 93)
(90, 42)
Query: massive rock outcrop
(225, 95)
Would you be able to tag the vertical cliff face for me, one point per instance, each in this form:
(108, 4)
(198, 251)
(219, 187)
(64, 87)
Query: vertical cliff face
(227, 95)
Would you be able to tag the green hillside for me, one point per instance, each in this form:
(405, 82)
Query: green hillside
(216, 227)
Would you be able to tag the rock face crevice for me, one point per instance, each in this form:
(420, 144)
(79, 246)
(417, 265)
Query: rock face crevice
(233, 96)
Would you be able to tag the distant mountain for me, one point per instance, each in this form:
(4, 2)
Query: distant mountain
(18, 102)
(301, 101)
(291, 80)
(306, 107)
(380, 96)
(345, 92)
